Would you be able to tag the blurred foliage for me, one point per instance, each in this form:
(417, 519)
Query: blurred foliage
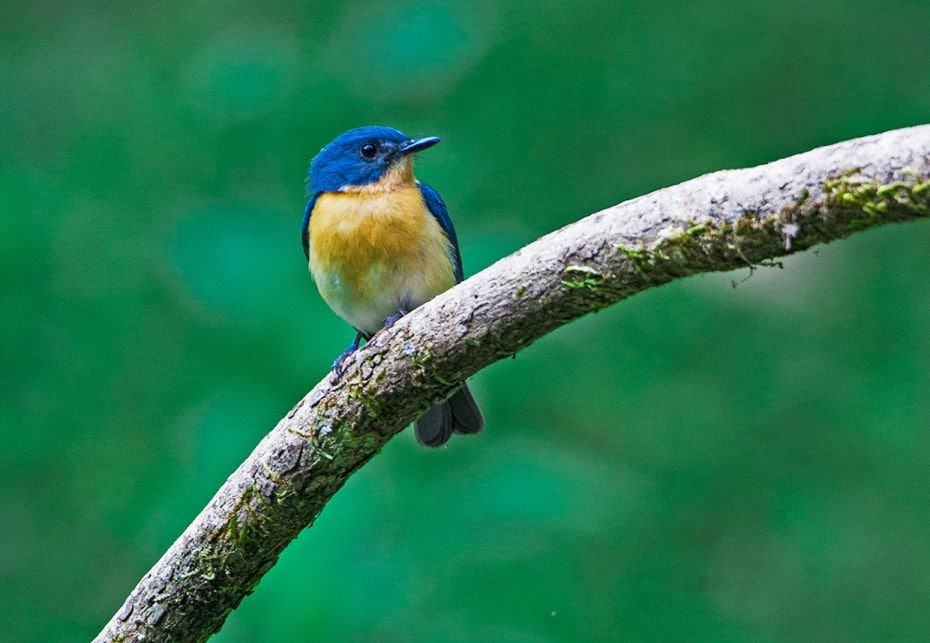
(700, 462)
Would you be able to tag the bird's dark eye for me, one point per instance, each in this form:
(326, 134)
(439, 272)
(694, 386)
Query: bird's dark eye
(368, 150)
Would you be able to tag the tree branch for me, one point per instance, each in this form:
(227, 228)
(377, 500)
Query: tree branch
(716, 222)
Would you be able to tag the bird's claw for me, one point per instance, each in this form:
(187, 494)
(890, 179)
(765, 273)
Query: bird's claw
(390, 319)
(337, 365)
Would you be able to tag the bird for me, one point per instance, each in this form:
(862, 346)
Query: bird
(379, 243)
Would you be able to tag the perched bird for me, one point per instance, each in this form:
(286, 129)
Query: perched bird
(379, 243)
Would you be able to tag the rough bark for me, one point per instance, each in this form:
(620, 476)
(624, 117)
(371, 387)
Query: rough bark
(716, 222)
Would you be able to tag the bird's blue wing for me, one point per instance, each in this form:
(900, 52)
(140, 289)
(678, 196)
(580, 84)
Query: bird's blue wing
(304, 229)
(438, 209)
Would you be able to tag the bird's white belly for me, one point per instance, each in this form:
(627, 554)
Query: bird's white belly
(386, 290)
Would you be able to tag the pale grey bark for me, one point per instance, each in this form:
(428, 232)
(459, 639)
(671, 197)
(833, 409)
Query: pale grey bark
(717, 222)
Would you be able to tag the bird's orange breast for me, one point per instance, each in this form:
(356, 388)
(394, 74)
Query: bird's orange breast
(372, 252)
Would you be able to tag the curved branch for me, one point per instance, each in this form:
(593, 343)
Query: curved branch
(716, 222)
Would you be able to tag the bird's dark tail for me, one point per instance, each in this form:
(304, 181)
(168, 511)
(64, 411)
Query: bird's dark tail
(458, 414)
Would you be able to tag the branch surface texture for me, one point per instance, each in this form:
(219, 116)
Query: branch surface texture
(720, 221)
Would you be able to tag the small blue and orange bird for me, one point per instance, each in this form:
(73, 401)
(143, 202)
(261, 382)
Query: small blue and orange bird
(380, 243)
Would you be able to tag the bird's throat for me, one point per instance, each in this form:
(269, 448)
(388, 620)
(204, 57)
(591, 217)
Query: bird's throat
(398, 176)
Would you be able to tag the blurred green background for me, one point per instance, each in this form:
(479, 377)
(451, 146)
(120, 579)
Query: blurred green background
(700, 462)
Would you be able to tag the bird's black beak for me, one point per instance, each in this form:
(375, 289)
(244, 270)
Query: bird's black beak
(415, 145)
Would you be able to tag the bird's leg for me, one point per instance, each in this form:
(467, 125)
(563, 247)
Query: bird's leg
(337, 365)
(390, 319)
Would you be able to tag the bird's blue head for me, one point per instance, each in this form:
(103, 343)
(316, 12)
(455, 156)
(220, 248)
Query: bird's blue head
(362, 157)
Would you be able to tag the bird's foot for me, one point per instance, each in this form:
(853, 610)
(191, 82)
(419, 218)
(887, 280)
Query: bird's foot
(337, 365)
(390, 319)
